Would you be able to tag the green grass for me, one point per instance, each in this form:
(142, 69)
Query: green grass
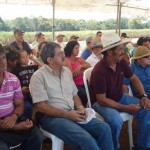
(7, 37)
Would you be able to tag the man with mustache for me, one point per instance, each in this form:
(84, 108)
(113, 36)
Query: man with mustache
(106, 84)
(60, 109)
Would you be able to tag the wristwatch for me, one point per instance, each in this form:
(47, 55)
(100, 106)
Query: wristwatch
(144, 95)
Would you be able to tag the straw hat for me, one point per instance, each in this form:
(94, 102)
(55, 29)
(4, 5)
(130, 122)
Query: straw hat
(140, 52)
(111, 40)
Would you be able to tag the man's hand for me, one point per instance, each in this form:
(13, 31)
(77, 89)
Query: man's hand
(76, 116)
(145, 102)
(82, 111)
(131, 108)
(8, 122)
(25, 89)
(24, 125)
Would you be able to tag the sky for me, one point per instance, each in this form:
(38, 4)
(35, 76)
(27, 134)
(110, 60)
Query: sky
(12, 11)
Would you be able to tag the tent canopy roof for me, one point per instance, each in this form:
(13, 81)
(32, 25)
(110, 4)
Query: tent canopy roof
(101, 6)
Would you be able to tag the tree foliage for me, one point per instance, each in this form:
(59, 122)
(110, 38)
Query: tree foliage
(44, 24)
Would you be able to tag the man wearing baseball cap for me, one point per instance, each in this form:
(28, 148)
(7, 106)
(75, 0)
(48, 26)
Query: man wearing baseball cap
(87, 52)
(59, 40)
(96, 55)
(74, 38)
(106, 84)
(39, 38)
(19, 42)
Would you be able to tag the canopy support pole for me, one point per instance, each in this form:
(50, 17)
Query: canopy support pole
(118, 3)
(53, 2)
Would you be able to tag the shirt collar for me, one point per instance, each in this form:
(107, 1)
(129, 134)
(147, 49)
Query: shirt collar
(139, 65)
(104, 62)
(51, 70)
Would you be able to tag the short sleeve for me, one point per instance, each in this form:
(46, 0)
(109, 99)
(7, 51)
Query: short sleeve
(98, 81)
(17, 90)
(37, 89)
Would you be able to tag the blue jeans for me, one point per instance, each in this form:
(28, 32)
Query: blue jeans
(32, 140)
(94, 135)
(113, 118)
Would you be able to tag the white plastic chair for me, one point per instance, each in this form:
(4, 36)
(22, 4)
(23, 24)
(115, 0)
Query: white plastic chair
(57, 144)
(125, 116)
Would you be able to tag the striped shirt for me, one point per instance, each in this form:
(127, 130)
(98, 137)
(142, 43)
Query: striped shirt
(10, 90)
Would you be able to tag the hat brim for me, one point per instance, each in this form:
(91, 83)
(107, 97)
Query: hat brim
(138, 57)
(117, 44)
(60, 35)
(19, 32)
(97, 44)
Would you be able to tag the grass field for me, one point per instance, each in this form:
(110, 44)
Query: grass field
(7, 37)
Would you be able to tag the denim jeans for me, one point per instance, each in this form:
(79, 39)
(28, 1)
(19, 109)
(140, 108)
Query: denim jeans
(94, 135)
(32, 140)
(113, 118)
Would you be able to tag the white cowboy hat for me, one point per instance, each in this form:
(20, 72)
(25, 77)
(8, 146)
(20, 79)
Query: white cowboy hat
(111, 40)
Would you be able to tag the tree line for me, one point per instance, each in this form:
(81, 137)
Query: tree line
(44, 24)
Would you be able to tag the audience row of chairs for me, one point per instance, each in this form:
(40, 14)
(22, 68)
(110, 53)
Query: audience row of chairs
(58, 144)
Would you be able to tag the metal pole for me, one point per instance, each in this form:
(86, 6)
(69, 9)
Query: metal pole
(119, 20)
(53, 27)
(121, 4)
(117, 16)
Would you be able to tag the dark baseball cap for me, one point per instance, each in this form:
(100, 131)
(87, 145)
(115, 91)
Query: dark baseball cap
(17, 31)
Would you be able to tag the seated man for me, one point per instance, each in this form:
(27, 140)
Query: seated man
(96, 55)
(141, 67)
(19, 42)
(106, 84)
(59, 40)
(40, 37)
(87, 51)
(13, 131)
(55, 97)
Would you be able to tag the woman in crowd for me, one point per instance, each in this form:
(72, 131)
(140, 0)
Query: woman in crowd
(77, 66)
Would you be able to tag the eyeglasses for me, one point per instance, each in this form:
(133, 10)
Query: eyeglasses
(60, 54)
(146, 57)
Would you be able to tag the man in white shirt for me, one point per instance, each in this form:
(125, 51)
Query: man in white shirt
(96, 55)
(54, 94)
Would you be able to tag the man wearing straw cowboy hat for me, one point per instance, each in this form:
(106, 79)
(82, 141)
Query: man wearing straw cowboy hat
(106, 83)
(141, 67)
